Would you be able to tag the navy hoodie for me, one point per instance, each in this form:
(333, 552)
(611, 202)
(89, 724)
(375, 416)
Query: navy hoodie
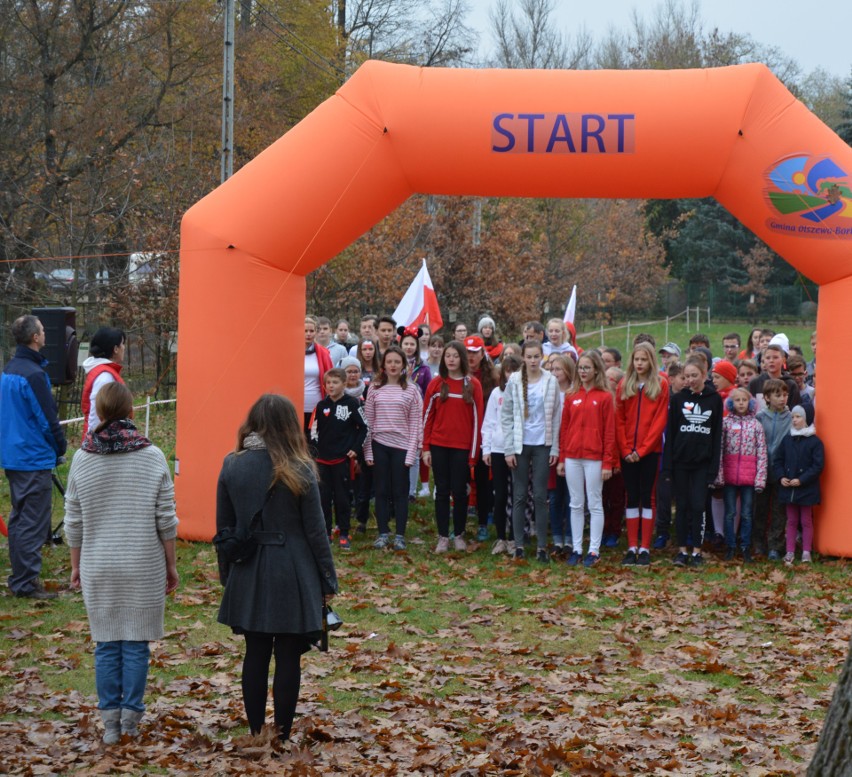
(694, 431)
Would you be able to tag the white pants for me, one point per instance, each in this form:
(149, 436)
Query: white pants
(584, 480)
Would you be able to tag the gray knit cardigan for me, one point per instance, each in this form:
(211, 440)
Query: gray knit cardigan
(119, 508)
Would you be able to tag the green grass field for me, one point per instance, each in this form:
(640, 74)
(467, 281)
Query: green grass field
(677, 332)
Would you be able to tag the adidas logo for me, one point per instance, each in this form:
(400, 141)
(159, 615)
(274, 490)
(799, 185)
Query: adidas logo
(693, 413)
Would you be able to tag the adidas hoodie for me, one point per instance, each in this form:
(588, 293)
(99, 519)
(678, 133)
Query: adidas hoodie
(694, 431)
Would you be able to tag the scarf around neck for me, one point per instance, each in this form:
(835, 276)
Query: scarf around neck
(117, 437)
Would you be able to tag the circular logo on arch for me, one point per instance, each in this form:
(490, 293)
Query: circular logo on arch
(809, 197)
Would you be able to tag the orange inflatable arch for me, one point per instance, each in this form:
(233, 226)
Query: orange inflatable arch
(734, 133)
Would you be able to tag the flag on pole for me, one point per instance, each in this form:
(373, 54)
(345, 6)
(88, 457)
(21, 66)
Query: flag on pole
(420, 303)
(571, 309)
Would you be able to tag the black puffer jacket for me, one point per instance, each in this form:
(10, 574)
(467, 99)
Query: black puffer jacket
(802, 457)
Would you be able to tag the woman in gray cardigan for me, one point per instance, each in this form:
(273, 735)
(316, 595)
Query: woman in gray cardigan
(121, 526)
(275, 598)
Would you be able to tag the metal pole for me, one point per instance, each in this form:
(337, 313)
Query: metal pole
(602, 336)
(627, 345)
(147, 413)
(227, 160)
(667, 328)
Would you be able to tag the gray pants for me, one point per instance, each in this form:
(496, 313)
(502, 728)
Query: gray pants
(29, 525)
(536, 457)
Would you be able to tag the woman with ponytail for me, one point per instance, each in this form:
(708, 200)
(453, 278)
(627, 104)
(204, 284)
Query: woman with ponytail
(452, 418)
(530, 422)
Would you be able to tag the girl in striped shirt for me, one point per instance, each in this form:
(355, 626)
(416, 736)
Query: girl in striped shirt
(394, 410)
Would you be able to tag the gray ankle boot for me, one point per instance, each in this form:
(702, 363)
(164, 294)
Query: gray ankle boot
(130, 722)
(112, 726)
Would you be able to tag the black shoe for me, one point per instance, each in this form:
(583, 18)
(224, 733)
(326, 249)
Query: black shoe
(38, 593)
(361, 528)
(629, 559)
(519, 554)
(697, 560)
(681, 560)
(643, 559)
(747, 559)
(542, 557)
(730, 553)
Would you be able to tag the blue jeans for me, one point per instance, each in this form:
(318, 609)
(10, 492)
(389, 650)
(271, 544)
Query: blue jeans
(746, 495)
(121, 672)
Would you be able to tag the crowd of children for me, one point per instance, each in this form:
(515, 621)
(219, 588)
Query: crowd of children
(543, 435)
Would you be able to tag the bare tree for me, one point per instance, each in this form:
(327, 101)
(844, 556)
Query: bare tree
(529, 38)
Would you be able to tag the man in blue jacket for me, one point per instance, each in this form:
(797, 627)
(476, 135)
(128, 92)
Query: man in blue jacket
(31, 440)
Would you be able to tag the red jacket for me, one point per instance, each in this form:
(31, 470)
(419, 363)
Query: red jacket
(454, 423)
(86, 397)
(640, 421)
(588, 427)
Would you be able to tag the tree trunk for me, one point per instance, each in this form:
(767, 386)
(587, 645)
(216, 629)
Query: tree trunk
(833, 756)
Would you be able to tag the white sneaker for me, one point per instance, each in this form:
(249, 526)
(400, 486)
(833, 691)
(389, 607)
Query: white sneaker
(498, 548)
(789, 559)
(460, 544)
(510, 547)
(424, 490)
(443, 545)
(806, 557)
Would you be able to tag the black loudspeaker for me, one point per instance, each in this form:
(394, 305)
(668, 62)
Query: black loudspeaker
(60, 343)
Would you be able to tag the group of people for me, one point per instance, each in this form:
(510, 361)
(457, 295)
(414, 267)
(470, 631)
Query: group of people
(541, 431)
(550, 438)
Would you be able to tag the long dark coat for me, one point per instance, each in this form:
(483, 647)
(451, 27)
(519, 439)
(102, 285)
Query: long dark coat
(801, 457)
(279, 589)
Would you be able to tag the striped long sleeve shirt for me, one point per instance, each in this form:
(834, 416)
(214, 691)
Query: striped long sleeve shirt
(395, 419)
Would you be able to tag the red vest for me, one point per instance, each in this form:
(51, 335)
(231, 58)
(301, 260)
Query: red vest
(86, 399)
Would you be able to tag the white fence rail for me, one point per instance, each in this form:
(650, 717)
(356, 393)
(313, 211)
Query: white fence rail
(147, 407)
(692, 315)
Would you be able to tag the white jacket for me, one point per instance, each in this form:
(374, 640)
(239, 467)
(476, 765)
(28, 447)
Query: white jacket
(512, 414)
(492, 430)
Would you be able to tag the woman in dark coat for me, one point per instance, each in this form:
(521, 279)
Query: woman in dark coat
(275, 598)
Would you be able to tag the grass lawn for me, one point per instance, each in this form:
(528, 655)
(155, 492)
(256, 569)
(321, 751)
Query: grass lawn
(677, 332)
(464, 663)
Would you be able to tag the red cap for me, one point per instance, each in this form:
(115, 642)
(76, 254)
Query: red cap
(474, 343)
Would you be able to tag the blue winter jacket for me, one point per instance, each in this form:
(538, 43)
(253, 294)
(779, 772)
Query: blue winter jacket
(31, 438)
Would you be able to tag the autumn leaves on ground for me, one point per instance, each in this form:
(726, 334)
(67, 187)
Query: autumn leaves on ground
(464, 664)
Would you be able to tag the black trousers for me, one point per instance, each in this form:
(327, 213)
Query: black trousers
(484, 492)
(639, 479)
(690, 486)
(502, 480)
(285, 683)
(451, 472)
(390, 480)
(335, 495)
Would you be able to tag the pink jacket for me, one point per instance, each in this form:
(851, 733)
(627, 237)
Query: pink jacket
(744, 457)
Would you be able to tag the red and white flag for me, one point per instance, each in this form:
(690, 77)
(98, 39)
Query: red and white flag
(571, 308)
(420, 303)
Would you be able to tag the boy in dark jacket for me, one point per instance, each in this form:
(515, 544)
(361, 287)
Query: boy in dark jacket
(691, 455)
(797, 464)
(339, 429)
(769, 516)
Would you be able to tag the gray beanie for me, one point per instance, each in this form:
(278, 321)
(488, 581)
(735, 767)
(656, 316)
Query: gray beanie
(349, 361)
(486, 321)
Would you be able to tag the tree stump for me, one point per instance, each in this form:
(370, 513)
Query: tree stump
(833, 756)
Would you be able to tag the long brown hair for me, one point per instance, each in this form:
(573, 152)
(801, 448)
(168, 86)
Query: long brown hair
(383, 378)
(273, 417)
(464, 367)
(373, 365)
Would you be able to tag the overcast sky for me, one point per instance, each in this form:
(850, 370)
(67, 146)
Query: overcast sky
(815, 34)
